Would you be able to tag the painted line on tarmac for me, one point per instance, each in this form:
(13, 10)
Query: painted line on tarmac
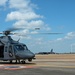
(14, 67)
(18, 67)
(55, 66)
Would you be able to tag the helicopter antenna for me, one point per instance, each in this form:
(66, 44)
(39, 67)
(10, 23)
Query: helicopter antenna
(18, 40)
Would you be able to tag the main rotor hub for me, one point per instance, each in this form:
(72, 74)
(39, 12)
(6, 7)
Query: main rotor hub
(6, 33)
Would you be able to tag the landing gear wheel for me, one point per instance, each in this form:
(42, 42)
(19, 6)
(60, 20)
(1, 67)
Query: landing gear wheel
(29, 60)
(23, 62)
(10, 61)
(17, 61)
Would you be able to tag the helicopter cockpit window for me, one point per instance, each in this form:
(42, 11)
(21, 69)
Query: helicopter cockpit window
(19, 47)
(25, 47)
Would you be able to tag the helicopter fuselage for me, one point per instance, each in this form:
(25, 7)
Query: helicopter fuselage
(14, 50)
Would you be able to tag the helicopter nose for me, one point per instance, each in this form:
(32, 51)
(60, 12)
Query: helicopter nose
(25, 55)
(31, 55)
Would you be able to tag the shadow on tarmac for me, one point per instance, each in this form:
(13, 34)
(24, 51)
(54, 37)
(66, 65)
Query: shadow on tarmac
(27, 63)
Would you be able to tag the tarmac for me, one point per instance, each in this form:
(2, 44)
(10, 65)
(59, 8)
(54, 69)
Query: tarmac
(39, 67)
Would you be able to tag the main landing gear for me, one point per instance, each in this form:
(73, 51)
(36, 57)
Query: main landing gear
(10, 61)
(22, 61)
(18, 62)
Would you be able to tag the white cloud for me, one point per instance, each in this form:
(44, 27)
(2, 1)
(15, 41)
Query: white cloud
(34, 32)
(3, 2)
(70, 35)
(21, 24)
(59, 39)
(39, 41)
(29, 24)
(18, 15)
(25, 15)
(20, 4)
(21, 38)
(23, 10)
(26, 31)
(36, 23)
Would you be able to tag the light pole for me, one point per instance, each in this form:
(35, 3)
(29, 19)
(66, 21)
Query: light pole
(72, 47)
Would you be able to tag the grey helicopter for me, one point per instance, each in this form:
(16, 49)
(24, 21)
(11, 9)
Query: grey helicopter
(13, 50)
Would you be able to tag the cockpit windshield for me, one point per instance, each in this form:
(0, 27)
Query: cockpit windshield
(19, 47)
(25, 47)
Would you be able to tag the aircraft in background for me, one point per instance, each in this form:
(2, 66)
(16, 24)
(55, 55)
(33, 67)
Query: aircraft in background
(51, 52)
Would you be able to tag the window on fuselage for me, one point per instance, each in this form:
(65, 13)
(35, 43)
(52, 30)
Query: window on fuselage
(25, 47)
(19, 47)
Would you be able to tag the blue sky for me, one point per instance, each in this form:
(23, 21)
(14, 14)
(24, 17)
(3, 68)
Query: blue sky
(49, 15)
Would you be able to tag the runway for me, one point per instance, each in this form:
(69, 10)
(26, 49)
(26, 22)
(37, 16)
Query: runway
(39, 71)
(40, 66)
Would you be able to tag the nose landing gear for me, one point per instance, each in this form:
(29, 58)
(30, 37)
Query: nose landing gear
(23, 62)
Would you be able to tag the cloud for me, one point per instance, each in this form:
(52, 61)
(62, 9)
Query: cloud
(25, 16)
(21, 38)
(31, 24)
(39, 41)
(3, 2)
(18, 4)
(21, 4)
(18, 15)
(59, 39)
(70, 35)
(23, 10)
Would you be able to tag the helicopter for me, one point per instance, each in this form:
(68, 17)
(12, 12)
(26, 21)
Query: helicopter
(14, 50)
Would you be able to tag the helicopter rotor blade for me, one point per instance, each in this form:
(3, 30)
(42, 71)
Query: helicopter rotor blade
(1, 33)
(50, 33)
(8, 31)
(12, 29)
(17, 34)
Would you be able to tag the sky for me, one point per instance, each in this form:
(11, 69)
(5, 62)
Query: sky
(51, 16)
